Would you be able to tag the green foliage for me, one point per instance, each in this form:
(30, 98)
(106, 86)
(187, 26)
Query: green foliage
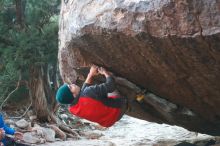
(34, 43)
(8, 76)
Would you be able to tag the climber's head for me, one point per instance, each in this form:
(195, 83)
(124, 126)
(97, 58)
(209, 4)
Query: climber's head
(66, 93)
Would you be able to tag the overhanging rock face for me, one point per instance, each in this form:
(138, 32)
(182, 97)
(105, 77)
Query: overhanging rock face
(171, 48)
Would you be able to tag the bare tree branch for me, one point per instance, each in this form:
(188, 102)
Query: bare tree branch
(9, 95)
(19, 117)
(4, 94)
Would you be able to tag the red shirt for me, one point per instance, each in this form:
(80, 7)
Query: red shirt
(95, 111)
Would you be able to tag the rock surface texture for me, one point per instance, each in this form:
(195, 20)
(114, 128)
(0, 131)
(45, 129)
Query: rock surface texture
(171, 48)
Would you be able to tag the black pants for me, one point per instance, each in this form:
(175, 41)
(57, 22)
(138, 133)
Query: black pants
(12, 142)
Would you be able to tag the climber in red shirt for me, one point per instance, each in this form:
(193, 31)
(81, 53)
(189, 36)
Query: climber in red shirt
(92, 102)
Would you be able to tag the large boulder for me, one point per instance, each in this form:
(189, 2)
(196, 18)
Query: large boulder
(171, 48)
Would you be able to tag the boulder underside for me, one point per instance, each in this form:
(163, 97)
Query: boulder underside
(171, 50)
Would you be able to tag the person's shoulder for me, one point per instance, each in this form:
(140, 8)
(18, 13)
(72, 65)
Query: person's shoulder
(89, 89)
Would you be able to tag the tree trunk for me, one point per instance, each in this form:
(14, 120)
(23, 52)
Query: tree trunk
(49, 81)
(55, 81)
(38, 93)
(20, 5)
(41, 92)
